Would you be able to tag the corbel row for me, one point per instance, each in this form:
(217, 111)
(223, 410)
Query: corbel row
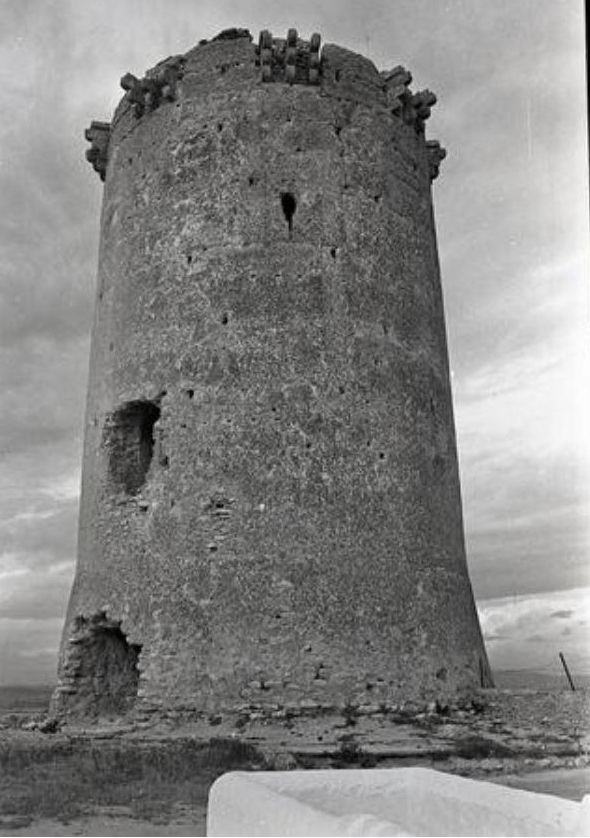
(436, 154)
(413, 108)
(291, 60)
(158, 86)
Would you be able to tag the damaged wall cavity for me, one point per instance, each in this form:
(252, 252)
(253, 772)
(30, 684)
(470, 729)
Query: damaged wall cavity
(129, 437)
(100, 676)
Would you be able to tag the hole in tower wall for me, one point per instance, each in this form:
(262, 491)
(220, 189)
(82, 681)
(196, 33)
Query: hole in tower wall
(289, 205)
(100, 674)
(129, 436)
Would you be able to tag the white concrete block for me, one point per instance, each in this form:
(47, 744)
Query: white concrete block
(384, 801)
(583, 827)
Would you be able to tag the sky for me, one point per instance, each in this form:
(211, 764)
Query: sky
(511, 206)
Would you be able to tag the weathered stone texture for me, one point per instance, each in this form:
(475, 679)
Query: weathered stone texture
(288, 525)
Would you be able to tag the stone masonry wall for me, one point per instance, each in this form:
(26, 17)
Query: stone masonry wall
(271, 508)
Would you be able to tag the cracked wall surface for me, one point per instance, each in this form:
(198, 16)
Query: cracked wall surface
(290, 528)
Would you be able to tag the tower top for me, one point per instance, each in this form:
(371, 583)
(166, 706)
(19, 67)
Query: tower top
(232, 54)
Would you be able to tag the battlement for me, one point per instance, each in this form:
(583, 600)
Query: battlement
(157, 86)
(413, 108)
(291, 61)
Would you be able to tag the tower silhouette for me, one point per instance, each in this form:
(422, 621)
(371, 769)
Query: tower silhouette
(270, 507)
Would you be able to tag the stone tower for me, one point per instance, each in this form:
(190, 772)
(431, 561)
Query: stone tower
(270, 507)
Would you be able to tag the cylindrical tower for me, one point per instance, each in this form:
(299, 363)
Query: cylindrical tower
(270, 506)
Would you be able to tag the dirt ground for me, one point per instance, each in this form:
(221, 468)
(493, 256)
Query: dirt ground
(570, 783)
(108, 823)
(151, 777)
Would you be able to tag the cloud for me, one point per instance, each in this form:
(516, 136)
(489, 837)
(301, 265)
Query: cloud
(513, 240)
(41, 538)
(28, 651)
(511, 207)
(48, 224)
(37, 558)
(36, 596)
(37, 535)
(48, 243)
(520, 633)
(44, 392)
(523, 430)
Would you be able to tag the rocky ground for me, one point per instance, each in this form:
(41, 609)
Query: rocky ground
(151, 776)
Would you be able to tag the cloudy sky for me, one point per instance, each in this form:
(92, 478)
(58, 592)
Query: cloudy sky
(511, 206)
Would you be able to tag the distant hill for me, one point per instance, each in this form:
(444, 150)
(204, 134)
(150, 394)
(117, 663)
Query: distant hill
(514, 679)
(25, 699)
(35, 699)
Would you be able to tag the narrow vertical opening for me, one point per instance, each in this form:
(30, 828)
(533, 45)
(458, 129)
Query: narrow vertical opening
(289, 205)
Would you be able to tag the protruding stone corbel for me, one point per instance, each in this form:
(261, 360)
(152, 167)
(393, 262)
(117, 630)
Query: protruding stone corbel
(314, 58)
(413, 108)
(436, 154)
(158, 85)
(397, 83)
(398, 76)
(167, 75)
(265, 50)
(133, 87)
(422, 102)
(291, 56)
(98, 135)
